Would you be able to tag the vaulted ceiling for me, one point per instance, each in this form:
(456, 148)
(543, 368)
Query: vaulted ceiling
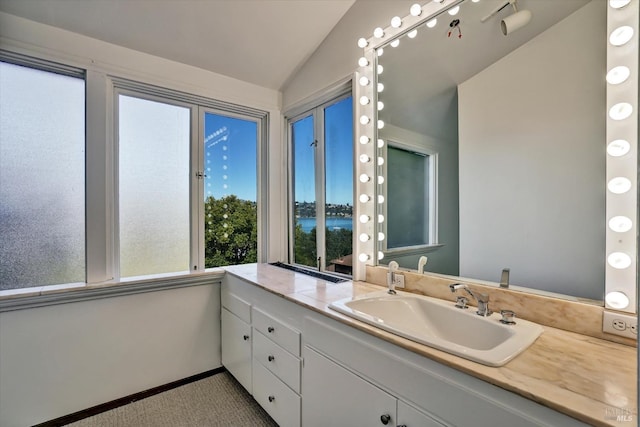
(258, 41)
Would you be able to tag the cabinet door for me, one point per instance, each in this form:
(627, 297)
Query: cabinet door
(236, 348)
(334, 396)
(408, 416)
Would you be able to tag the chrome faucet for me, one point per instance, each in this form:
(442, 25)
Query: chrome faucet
(504, 278)
(391, 277)
(481, 299)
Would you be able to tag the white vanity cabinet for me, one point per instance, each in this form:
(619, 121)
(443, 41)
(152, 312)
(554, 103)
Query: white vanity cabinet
(334, 396)
(309, 370)
(236, 338)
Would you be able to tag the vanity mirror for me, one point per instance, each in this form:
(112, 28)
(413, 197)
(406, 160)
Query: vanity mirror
(513, 131)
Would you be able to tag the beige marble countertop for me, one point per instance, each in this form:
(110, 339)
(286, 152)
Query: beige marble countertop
(590, 379)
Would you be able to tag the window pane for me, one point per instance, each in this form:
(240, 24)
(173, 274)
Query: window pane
(304, 192)
(231, 188)
(407, 187)
(338, 133)
(154, 187)
(42, 226)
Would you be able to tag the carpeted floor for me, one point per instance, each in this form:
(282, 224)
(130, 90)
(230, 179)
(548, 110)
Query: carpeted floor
(218, 400)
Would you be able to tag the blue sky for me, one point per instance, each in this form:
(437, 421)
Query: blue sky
(230, 157)
(338, 153)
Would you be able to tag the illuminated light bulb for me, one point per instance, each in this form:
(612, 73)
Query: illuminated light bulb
(412, 34)
(364, 139)
(438, 1)
(380, 218)
(453, 11)
(380, 87)
(616, 299)
(379, 69)
(380, 143)
(475, 1)
(364, 100)
(364, 237)
(619, 185)
(395, 43)
(380, 198)
(364, 198)
(380, 161)
(380, 179)
(364, 178)
(620, 111)
(364, 158)
(380, 51)
(363, 257)
(396, 22)
(620, 224)
(363, 81)
(617, 4)
(364, 219)
(432, 23)
(415, 10)
(621, 35)
(363, 62)
(619, 260)
(618, 148)
(380, 124)
(380, 255)
(618, 75)
(381, 236)
(362, 42)
(380, 105)
(378, 33)
(364, 120)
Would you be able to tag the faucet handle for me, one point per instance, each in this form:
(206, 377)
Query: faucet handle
(461, 301)
(507, 317)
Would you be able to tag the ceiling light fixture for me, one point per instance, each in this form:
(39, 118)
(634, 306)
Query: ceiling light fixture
(513, 22)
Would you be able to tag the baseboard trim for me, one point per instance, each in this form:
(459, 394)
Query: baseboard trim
(86, 413)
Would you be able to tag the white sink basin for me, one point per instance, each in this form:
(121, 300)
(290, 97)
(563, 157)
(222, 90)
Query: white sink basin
(439, 324)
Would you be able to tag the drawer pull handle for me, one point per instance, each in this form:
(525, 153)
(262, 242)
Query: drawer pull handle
(270, 329)
(245, 337)
(271, 358)
(272, 398)
(384, 419)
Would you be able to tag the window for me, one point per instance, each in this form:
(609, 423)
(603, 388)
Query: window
(322, 186)
(168, 183)
(42, 150)
(187, 200)
(153, 165)
(410, 190)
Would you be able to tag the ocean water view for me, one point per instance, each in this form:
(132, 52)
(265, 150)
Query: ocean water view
(332, 223)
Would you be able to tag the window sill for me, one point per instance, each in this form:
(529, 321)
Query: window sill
(19, 299)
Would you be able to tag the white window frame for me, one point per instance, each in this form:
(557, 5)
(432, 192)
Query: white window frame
(431, 201)
(314, 106)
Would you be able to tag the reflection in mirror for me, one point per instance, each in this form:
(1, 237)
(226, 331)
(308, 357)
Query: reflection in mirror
(518, 125)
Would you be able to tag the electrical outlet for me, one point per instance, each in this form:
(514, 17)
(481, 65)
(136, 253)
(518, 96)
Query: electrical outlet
(625, 325)
(399, 280)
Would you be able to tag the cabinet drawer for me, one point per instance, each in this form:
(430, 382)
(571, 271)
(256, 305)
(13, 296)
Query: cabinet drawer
(275, 397)
(278, 332)
(280, 362)
(236, 305)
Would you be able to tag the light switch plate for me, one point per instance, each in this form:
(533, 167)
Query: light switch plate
(625, 325)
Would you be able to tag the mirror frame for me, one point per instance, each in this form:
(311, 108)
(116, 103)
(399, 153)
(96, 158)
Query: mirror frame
(621, 247)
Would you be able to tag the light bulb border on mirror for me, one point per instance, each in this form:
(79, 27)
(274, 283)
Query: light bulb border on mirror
(616, 130)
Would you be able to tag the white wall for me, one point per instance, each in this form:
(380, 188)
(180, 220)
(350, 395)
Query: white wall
(60, 359)
(532, 159)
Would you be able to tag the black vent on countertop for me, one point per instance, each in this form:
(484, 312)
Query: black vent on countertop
(316, 274)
